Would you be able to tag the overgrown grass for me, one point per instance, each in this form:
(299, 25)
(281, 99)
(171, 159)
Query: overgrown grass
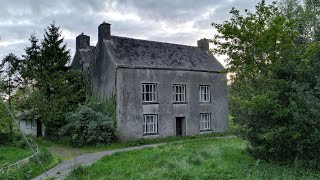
(11, 154)
(201, 159)
(32, 168)
(123, 144)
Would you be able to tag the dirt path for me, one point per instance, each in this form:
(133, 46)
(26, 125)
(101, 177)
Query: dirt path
(62, 169)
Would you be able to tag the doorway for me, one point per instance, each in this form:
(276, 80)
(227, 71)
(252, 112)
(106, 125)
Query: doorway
(180, 126)
(39, 128)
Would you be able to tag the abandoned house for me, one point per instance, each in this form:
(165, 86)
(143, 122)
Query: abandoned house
(161, 89)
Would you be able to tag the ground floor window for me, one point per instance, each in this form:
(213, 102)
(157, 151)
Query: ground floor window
(27, 124)
(150, 125)
(205, 121)
(33, 124)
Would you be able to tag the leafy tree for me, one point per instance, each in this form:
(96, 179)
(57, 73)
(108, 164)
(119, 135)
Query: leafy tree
(10, 75)
(274, 94)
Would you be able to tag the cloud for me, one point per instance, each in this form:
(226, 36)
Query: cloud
(174, 21)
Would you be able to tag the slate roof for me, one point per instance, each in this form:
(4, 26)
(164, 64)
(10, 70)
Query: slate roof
(150, 54)
(84, 58)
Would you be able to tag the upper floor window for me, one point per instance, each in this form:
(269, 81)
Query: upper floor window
(204, 93)
(150, 125)
(179, 93)
(149, 92)
(205, 121)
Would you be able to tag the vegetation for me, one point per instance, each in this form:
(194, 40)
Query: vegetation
(56, 89)
(11, 154)
(274, 54)
(6, 130)
(88, 127)
(32, 168)
(201, 159)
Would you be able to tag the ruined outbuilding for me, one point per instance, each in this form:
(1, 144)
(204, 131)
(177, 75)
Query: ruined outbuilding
(161, 89)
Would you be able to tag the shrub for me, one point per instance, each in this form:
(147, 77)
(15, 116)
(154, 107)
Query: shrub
(89, 127)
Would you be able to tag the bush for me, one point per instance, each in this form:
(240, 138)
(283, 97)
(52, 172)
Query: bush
(89, 127)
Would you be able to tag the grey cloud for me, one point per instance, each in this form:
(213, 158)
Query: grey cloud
(74, 16)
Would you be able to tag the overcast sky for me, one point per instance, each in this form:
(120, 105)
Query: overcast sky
(174, 21)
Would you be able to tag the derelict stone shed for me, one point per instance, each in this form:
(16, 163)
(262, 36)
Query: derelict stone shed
(161, 89)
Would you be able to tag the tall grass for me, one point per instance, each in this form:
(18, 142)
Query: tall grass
(201, 159)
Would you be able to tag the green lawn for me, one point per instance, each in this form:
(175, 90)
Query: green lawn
(198, 159)
(11, 154)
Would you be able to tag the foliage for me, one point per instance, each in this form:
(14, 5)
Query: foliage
(201, 159)
(56, 89)
(5, 125)
(274, 94)
(9, 75)
(89, 126)
(107, 107)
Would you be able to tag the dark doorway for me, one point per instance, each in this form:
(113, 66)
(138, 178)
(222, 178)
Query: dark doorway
(39, 128)
(180, 126)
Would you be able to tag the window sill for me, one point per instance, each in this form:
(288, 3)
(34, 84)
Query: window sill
(149, 103)
(205, 102)
(151, 135)
(207, 130)
(179, 103)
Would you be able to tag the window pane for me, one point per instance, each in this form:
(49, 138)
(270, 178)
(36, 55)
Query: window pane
(151, 124)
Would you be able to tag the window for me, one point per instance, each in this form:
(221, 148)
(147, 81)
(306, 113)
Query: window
(149, 92)
(150, 125)
(205, 121)
(33, 124)
(27, 124)
(179, 93)
(204, 93)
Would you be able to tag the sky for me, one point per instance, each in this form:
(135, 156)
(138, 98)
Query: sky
(173, 21)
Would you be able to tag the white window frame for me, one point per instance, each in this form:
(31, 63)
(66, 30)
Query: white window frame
(179, 93)
(205, 121)
(151, 93)
(204, 93)
(150, 124)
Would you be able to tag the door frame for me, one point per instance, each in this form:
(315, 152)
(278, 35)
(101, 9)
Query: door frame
(183, 122)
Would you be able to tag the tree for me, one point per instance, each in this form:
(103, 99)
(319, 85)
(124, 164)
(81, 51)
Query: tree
(10, 78)
(10, 75)
(274, 93)
(31, 67)
(56, 88)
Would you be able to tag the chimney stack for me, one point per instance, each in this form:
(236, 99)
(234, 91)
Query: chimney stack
(82, 42)
(104, 32)
(204, 44)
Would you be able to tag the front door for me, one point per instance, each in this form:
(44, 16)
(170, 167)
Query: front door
(39, 128)
(179, 126)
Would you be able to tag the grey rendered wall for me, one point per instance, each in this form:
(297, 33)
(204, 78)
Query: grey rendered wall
(130, 108)
(27, 130)
(103, 72)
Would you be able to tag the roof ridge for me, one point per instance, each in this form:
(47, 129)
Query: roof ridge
(154, 41)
